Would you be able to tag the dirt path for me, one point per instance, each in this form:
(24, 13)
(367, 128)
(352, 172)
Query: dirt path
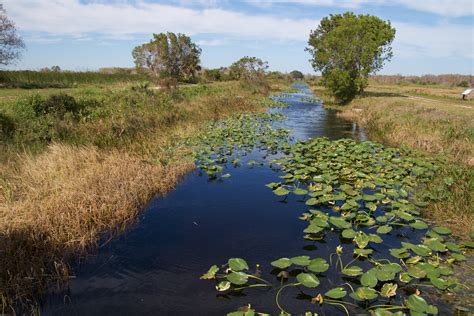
(437, 101)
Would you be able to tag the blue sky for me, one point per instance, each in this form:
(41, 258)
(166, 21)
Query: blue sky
(433, 36)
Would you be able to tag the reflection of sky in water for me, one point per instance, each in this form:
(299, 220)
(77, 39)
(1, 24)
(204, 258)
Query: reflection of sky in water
(155, 267)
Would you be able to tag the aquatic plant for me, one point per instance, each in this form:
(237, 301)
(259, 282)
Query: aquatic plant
(226, 141)
(369, 197)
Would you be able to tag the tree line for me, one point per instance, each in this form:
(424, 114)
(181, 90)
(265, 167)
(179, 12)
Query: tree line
(345, 48)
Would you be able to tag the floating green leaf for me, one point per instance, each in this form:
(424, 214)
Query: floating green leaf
(211, 273)
(238, 278)
(318, 265)
(300, 260)
(353, 271)
(336, 293)
(238, 264)
(282, 263)
(308, 279)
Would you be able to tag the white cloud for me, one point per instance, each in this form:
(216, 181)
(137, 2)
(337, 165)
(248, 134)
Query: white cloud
(212, 42)
(71, 17)
(447, 8)
(443, 40)
(124, 20)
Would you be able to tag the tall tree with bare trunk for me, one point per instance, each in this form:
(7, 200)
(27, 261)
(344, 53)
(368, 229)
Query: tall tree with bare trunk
(11, 44)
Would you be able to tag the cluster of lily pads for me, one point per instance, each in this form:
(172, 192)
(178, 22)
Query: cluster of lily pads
(227, 141)
(311, 100)
(366, 196)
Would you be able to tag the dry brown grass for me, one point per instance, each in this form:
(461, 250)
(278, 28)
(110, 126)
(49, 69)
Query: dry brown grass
(66, 199)
(60, 203)
(438, 127)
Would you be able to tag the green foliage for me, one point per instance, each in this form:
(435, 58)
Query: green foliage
(27, 79)
(346, 48)
(297, 75)
(250, 69)
(7, 126)
(168, 55)
(56, 104)
(361, 191)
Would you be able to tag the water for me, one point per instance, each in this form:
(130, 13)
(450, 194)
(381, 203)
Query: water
(154, 268)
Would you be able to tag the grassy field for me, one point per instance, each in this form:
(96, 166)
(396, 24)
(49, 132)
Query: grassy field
(78, 164)
(432, 119)
(27, 79)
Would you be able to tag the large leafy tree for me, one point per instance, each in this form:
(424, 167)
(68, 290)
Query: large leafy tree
(11, 44)
(249, 69)
(346, 48)
(168, 55)
(297, 75)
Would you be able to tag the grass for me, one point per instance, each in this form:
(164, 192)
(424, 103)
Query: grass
(67, 79)
(438, 123)
(69, 179)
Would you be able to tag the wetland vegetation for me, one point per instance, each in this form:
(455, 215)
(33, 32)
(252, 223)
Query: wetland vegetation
(365, 193)
(316, 217)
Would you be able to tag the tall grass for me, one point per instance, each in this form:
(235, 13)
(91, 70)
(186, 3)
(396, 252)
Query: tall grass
(85, 174)
(437, 129)
(27, 79)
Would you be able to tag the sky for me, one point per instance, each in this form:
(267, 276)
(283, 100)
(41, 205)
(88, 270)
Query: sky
(433, 36)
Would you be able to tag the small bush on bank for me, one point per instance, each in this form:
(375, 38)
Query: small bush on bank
(57, 104)
(7, 126)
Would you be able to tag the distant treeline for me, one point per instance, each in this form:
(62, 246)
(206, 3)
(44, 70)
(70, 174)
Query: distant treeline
(56, 78)
(47, 78)
(447, 79)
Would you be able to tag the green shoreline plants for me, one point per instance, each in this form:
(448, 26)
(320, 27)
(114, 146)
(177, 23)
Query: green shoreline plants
(366, 195)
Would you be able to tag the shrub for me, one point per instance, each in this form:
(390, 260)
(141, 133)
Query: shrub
(463, 84)
(56, 104)
(168, 83)
(7, 126)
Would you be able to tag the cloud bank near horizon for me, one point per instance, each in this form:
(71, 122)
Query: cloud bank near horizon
(50, 21)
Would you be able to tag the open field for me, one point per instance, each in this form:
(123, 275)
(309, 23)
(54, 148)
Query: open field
(432, 119)
(69, 178)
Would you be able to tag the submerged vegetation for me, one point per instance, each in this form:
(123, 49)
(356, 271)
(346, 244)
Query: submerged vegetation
(366, 200)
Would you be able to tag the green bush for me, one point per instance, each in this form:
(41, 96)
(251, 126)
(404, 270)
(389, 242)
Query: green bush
(463, 84)
(56, 104)
(7, 126)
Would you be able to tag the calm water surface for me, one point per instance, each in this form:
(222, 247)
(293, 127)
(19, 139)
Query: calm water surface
(154, 268)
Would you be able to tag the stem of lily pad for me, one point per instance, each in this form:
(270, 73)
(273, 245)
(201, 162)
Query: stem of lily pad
(338, 301)
(260, 279)
(357, 257)
(249, 286)
(388, 307)
(341, 305)
(278, 295)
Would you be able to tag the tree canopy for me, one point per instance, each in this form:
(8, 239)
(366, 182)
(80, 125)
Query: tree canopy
(346, 48)
(168, 55)
(249, 69)
(11, 45)
(297, 75)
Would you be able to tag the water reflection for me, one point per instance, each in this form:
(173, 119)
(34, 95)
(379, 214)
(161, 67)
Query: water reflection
(155, 267)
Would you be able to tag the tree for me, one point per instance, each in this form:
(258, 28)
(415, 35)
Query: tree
(249, 69)
(346, 48)
(297, 75)
(11, 45)
(168, 55)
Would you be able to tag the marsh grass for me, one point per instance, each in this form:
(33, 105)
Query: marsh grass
(27, 79)
(60, 195)
(437, 126)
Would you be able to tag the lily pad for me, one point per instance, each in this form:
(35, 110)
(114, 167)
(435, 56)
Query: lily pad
(318, 265)
(308, 280)
(282, 263)
(238, 264)
(336, 293)
(237, 278)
